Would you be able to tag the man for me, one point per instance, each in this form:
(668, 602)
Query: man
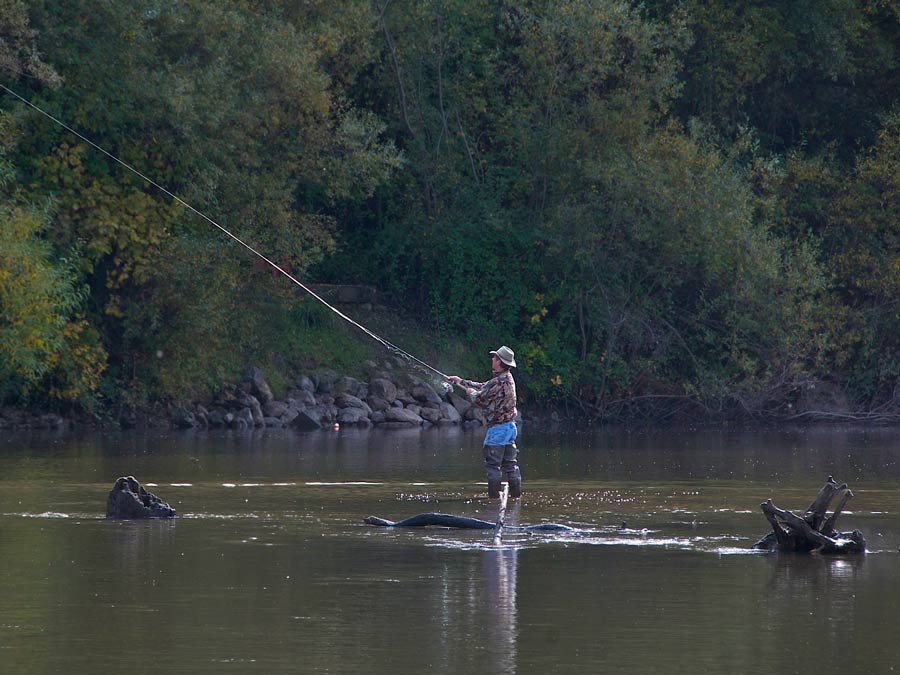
(497, 397)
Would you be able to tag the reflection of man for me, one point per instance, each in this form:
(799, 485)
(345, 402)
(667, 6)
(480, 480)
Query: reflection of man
(501, 629)
(497, 397)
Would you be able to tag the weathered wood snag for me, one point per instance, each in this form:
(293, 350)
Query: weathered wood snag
(814, 531)
(128, 499)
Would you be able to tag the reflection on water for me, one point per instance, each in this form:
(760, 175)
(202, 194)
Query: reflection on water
(269, 567)
(499, 573)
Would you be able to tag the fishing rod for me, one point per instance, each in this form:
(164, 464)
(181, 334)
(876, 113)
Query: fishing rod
(390, 346)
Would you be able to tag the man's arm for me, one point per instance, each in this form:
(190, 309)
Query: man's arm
(487, 392)
(465, 384)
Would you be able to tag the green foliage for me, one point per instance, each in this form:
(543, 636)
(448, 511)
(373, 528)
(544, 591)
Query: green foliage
(489, 159)
(19, 55)
(861, 239)
(234, 110)
(47, 349)
(117, 226)
(797, 71)
(36, 297)
(43, 343)
(655, 201)
(668, 285)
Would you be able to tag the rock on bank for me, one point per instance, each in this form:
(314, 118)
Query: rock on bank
(388, 397)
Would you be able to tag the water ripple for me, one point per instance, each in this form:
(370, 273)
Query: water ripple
(45, 514)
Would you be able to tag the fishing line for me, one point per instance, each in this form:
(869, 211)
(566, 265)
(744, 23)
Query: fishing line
(392, 347)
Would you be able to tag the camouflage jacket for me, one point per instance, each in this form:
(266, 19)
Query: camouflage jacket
(497, 396)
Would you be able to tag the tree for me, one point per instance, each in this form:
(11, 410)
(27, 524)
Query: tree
(228, 106)
(811, 72)
(19, 55)
(860, 242)
(671, 287)
(44, 342)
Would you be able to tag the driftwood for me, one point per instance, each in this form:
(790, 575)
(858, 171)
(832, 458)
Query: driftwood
(128, 499)
(460, 522)
(814, 531)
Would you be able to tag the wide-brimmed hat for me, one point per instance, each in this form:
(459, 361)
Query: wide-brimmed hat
(506, 355)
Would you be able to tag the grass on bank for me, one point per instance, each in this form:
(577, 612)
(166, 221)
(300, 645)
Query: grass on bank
(289, 337)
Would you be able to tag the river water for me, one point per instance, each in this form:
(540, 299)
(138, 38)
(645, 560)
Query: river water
(269, 567)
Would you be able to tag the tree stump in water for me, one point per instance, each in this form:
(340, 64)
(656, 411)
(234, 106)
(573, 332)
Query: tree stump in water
(814, 531)
(128, 499)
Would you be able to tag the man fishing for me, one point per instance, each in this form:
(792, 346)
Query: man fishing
(497, 397)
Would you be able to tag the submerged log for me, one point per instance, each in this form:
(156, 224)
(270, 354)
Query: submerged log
(460, 522)
(814, 531)
(129, 499)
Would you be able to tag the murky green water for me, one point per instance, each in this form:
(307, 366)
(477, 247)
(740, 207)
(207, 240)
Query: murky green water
(269, 568)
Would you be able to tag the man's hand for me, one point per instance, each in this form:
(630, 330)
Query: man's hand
(454, 379)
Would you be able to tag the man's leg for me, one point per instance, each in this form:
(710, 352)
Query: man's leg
(493, 456)
(510, 467)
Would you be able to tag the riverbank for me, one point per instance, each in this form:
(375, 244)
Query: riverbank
(391, 396)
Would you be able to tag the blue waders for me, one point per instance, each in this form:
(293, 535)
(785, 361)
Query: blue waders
(501, 458)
